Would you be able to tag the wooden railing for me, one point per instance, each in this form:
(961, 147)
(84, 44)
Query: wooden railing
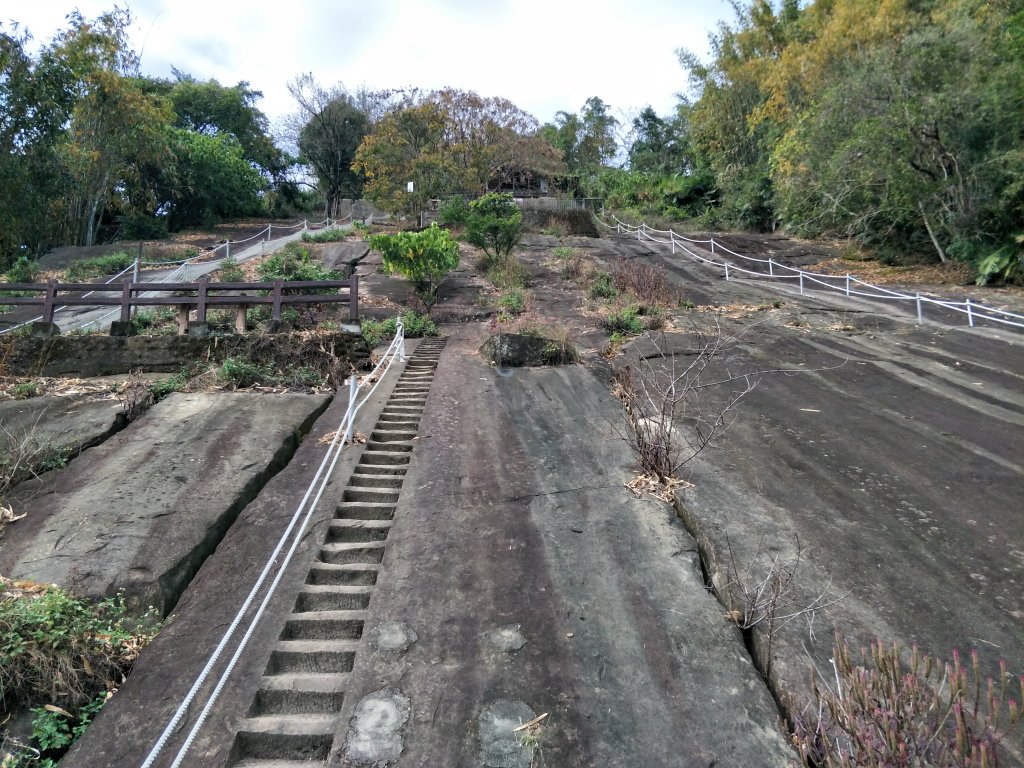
(198, 296)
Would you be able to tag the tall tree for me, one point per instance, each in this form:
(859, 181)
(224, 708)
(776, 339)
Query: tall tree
(330, 130)
(452, 141)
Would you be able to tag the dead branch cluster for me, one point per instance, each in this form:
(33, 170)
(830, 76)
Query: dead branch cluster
(677, 401)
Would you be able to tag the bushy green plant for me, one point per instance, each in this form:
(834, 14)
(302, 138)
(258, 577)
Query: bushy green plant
(23, 270)
(602, 286)
(230, 272)
(563, 252)
(1004, 265)
(625, 321)
(495, 224)
(24, 390)
(244, 374)
(416, 325)
(454, 213)
(58, 648)
(154, 318)
(329, 235)
(142, 227)
(509, 274)
(54, 733)
(421, 257)
(99, 266)
(293, 263)
(512, 300)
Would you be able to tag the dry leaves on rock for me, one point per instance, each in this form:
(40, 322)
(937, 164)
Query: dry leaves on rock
(650, 484)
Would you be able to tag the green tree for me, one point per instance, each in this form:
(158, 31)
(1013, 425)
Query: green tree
(495, 224)
(451, 141)
(330, 129)
(424, 258)
(587, 140)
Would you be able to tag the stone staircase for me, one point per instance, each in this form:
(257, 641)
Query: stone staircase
(294, 716)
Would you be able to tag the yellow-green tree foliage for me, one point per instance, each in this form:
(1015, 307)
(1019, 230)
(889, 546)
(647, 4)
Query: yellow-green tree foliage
(895, 122)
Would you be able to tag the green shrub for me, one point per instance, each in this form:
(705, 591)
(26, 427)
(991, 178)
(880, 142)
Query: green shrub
(602, 286)
(416, 325)
(24, 390)
(230, 272)
(58, 648)
(100, 266)
(244, 374)
(513, 300)
(293, 263)
(329, 235)
(154, 318)
(454, 213)
(53, 734)
(1005, 265)
(495, 224)
(421, 257)
(564, 252)
(625, 321)
(24, 270)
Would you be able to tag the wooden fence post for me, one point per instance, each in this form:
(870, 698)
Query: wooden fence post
(126, 300)
(49, 298)
(353, 297)
(276, 311)
(204, 284)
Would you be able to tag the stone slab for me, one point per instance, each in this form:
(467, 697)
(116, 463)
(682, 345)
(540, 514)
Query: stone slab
(69, 423)
(141, 512)
(532, 575)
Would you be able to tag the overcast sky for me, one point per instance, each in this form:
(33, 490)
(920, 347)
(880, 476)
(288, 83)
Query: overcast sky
(544, 55)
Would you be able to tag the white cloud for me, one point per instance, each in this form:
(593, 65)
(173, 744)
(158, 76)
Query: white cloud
(544, 55)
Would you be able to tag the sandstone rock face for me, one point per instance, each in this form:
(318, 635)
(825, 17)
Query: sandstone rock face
(141, 512)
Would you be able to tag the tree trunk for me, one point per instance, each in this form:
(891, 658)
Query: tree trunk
(931, 233)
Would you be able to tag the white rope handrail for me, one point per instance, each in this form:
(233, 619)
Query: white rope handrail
(973, 310)
(396, 350)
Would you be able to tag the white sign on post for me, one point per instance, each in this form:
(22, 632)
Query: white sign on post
(408, 187)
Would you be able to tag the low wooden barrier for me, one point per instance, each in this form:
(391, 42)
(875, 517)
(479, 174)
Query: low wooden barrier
(198, 296)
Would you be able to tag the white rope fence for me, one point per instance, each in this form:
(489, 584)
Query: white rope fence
(296, 531)
(190, 268)
(848, 285)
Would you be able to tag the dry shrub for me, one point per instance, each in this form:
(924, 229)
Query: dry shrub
(888, 711)
(645, 281)
(674, 406)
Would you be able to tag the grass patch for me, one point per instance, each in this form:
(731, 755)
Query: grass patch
(293, 262)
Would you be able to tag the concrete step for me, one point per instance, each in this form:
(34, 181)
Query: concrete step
(375, 445)
(311, 657)
(358, 530)
(392, 435)
(374, 496)
(359, 480)
(365, 510)
(341, 553)
(349, 574)
(315, 598)
(275, 738)
(384, 458)
(399, 418)
(395, 470)
(255, 762)
(375, 481)
(293, 700)
(324, 625)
